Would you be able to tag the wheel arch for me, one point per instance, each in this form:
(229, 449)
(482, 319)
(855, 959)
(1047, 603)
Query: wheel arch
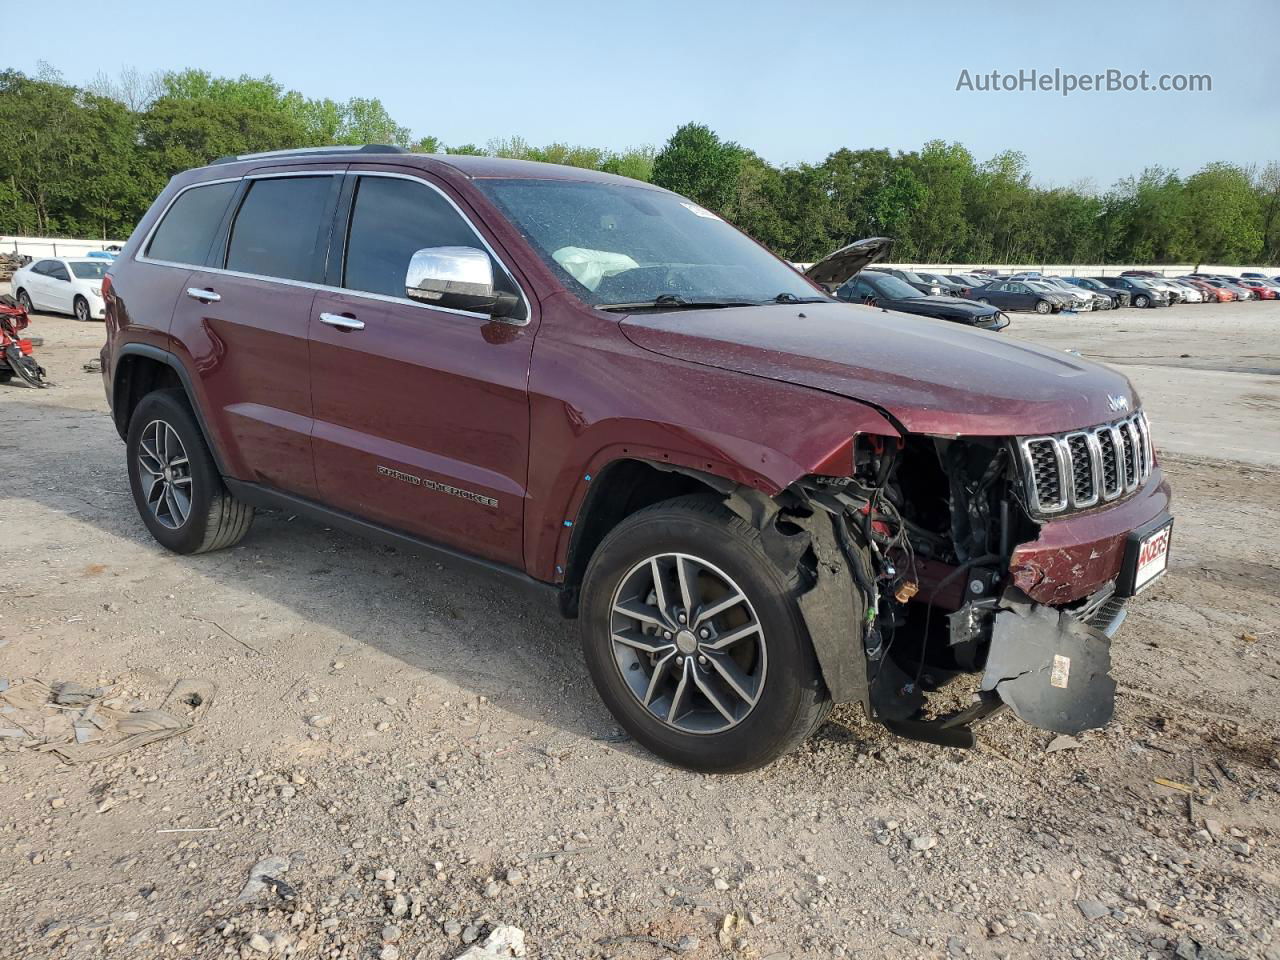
(620, 488)
(141, 369)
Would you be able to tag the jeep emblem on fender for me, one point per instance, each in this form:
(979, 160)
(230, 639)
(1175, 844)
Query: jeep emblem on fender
(1117, 403)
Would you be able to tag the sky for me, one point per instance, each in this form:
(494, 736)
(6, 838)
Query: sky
(791, 81)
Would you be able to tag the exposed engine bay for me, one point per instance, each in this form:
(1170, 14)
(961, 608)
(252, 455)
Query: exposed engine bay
(920, 535)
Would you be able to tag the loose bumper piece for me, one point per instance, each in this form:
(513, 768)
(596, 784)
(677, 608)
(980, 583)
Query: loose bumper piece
(1052, 669)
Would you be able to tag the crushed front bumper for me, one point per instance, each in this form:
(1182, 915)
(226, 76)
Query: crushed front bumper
(1078, 554)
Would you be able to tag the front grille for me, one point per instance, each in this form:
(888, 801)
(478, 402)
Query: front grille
(1046, 473)
(1080, 469)
(1083, 485)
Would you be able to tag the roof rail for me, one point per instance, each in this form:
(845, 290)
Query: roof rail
(312, 151)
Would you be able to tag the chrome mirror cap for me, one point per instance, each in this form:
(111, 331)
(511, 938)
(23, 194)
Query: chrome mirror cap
(460, 278)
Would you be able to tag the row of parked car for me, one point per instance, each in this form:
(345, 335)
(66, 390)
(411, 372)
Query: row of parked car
(983, 298)
(1049, 294)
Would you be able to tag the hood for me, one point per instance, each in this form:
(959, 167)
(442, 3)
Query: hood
(933, 305)
(933, 376)
(835, 268)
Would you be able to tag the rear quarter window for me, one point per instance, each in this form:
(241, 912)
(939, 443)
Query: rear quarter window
(187, 229)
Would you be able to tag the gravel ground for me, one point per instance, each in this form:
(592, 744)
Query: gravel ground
(424, 754)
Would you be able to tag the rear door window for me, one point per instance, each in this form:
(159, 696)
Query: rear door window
(280, 228)
(186, 232)
(391, 219)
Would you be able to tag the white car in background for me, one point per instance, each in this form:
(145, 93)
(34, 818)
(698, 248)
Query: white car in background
(1190, 292)
(62, 285)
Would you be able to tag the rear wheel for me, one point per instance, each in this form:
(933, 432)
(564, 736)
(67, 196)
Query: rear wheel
(175, 482)
(694, 639)
(1042, 306)
(984, 301)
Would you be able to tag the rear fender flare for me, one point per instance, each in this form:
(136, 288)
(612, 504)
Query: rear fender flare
(184, 377)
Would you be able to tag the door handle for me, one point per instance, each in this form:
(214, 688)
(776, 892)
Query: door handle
(208, 296)
(341, 322)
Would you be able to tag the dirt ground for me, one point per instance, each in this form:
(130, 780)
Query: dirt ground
(423, 750)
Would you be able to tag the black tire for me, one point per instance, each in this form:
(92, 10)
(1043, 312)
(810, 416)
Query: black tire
(984, 301)
(1142, 301)
(6, 375)
(25, 367)
(1043, 307)
(215, 518)
(80, 309)
(24, 299)
(792, 702)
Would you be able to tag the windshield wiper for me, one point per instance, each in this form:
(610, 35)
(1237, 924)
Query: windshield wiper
(786, 297)
(673, 301)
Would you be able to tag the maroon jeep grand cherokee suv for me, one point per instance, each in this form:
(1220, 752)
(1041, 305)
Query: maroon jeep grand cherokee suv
(757, 500)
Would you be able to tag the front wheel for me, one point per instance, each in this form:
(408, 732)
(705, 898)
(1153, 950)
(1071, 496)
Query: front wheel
(175, 482)
(984, 301)
(694, 640)
(81, 309)
(24, 300)
(1042, 306)
(1141, 301)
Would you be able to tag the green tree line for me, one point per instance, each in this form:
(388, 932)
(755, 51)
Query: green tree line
(87, 162)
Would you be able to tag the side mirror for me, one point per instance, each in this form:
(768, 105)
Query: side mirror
(459, 278)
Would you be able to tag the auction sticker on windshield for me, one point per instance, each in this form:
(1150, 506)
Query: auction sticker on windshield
(1153, 557)
(699, 211)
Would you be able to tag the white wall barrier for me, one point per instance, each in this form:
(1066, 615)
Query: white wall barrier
(36, 247)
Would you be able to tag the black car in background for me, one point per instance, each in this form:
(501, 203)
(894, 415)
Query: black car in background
(908, 276)
(1119, 297)
(882, 290)
(946, 284)
(1141, 294)
(1019, 295)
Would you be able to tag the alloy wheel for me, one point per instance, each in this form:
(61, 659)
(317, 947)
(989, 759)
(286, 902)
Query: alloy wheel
(165, 472)
(688, 643)
(82, 310)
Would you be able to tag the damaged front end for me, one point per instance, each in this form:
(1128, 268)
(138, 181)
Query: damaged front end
(914, 605)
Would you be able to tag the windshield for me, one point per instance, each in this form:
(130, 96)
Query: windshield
(891, 286)
(89, 269)
(616, 244)
(1035, 285)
